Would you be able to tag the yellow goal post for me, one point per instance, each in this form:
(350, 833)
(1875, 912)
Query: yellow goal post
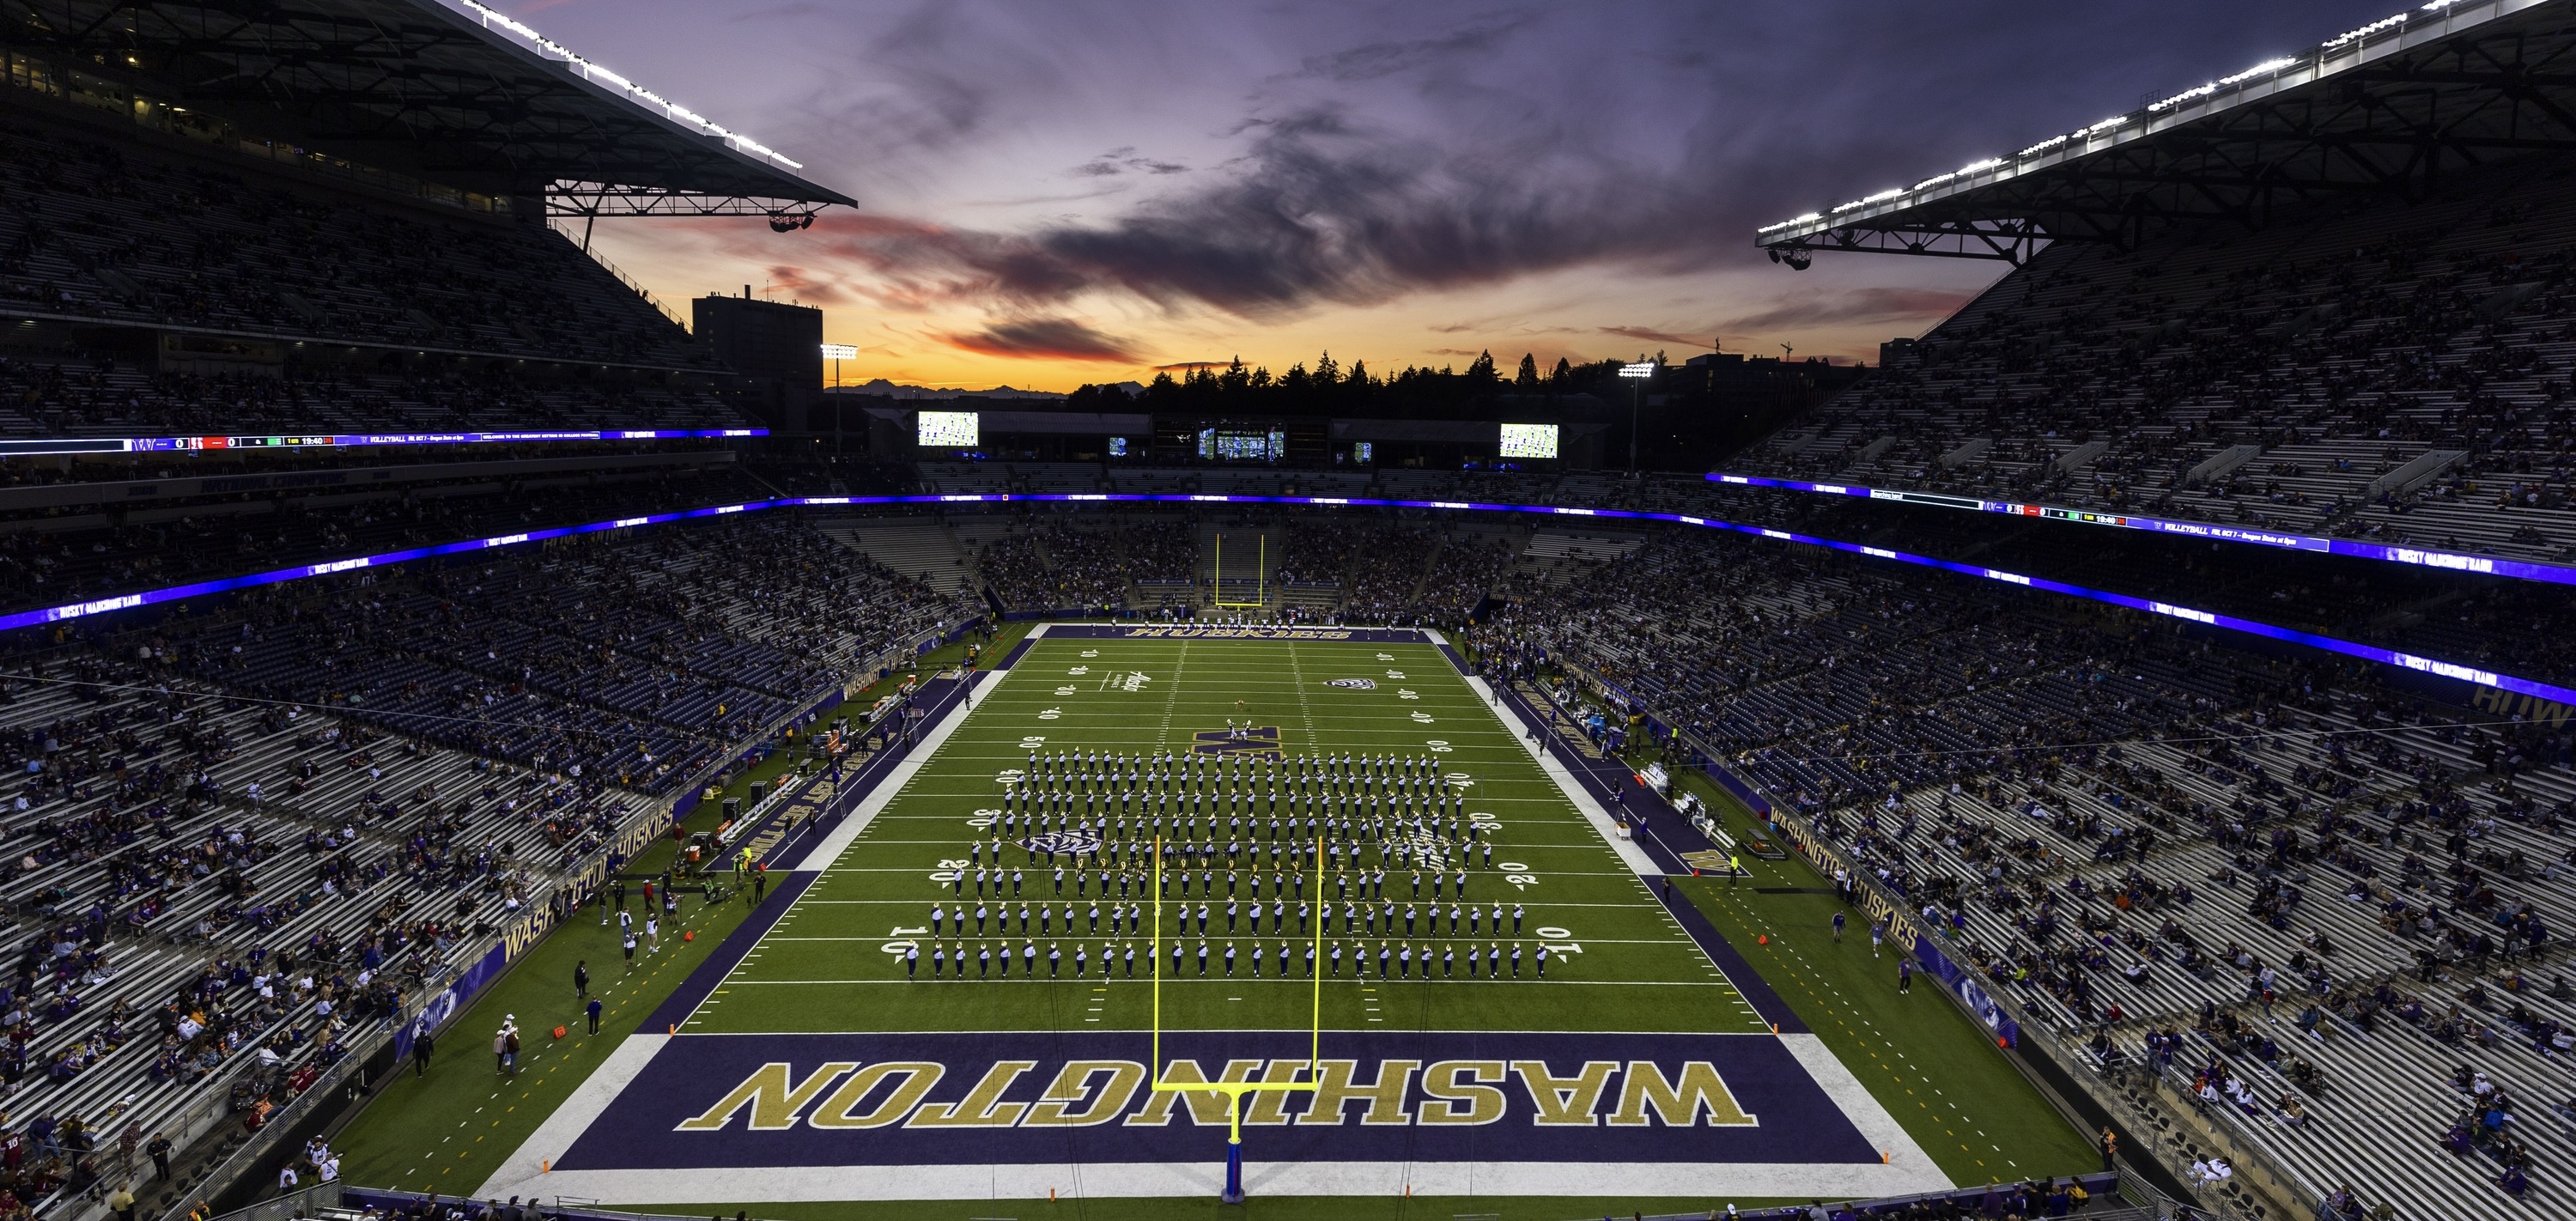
(1235, 1090)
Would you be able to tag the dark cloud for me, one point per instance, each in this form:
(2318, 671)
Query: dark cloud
(1045, 339)
(1854, 306)
(1123, 160)
(1178, 366)
(1318, 211)
(1370, 61)
(806, 285)
(1652, 335)
(1467, 147)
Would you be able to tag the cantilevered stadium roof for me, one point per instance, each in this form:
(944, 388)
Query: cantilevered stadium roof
(448, 90)
(2387, 108)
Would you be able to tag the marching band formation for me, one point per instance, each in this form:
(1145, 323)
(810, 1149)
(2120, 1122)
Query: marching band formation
(1231, 836)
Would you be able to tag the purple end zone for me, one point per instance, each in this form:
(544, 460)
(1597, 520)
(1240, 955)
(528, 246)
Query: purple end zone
(1659, 827)
(968, 1099)
(702, 982)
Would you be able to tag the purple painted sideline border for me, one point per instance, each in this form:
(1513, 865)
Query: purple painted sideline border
(936, 697)
(702, 982)
(940, 696)
(1017, 652)
(1644, 809)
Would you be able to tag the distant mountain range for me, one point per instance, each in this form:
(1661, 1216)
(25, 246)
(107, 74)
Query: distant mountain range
(882, 388)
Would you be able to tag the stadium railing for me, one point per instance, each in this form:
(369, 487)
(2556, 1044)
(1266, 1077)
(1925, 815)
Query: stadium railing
(353, 1200)
(2097, 1186)
(684, 796)
(2034, 1033)
(318, 1200)
(213, 1107)
(290, 1120)
(564, 227)
(2157, 1135)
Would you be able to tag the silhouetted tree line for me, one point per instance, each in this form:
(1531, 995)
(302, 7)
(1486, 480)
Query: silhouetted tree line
(1329, 389)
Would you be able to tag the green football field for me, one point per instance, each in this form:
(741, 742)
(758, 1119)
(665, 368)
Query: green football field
(832, 963)
(655, 1118)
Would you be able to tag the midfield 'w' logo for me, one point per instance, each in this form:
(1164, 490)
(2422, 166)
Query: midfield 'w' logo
(1261, 741)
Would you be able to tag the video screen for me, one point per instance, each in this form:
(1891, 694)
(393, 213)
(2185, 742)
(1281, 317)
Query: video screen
(947, 429)
(1529, 441)
(1243, 446)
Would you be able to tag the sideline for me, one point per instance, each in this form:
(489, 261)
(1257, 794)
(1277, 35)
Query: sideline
(519, 1174)
(1907, 1169)
(952, 708)
(527, 1165)
(1560, 762)
(1645, 811)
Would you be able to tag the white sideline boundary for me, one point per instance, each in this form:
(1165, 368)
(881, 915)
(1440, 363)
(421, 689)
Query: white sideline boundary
(1854, 1099)
(590, 1099)
(822, 855)
(1908, 1169)
(1863, 1110)
(1585, 804)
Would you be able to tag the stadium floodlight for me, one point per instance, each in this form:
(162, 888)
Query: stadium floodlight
(836, 353)
(491, 18)
(2267, 67)
(2333, 48)
(1638, 371)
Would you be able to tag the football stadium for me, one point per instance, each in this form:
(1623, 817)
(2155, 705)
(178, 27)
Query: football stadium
(491, 747)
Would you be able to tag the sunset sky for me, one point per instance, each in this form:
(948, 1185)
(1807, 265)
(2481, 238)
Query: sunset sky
(1072, 191)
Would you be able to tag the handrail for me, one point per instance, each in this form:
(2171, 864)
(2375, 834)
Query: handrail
(564, 227)
(2035, 1029)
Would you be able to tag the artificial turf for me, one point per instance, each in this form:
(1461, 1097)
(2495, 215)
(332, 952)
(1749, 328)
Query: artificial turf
(824, 967)
(1936, 1071)
(447, 1130)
